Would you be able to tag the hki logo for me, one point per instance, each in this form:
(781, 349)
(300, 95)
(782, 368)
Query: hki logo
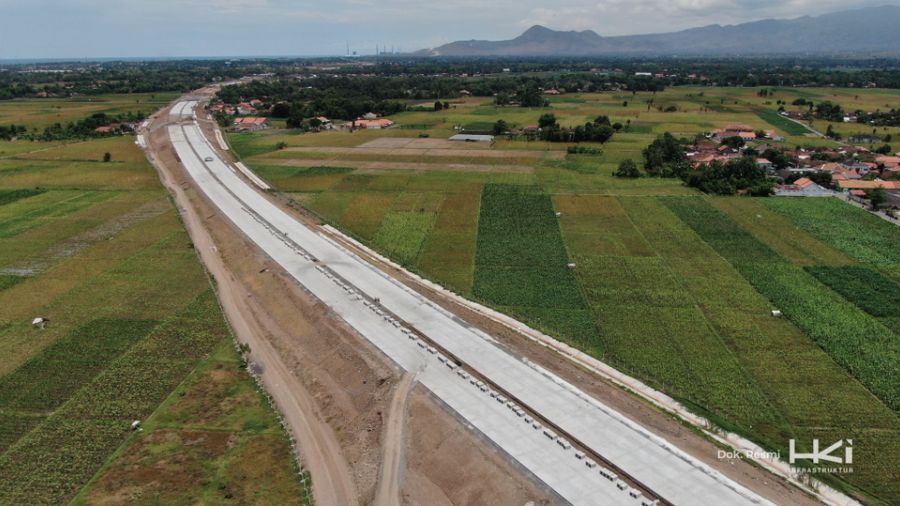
(824, 455)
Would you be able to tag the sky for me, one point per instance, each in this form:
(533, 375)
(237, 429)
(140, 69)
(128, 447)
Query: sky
(177, 28)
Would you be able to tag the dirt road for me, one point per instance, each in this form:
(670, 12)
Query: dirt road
(390, 479)
(320, 452)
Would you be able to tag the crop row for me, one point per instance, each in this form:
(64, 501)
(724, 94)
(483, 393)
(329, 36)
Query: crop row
(8, 196)
(521, 264)
(856, 232)
(401, 234)
(51, 462)
(520, 258)
(865, 287)
(855, 340)
(48, 379)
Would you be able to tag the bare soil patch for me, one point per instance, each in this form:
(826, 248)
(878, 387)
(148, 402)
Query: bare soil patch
(454, 151)
(447, 464)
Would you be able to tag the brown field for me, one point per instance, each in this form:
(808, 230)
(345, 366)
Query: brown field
(411, 166)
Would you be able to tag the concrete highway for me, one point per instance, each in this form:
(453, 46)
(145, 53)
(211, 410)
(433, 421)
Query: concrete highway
(573, 443)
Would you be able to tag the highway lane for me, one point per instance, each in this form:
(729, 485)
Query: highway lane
(657, 465)
(569, 477)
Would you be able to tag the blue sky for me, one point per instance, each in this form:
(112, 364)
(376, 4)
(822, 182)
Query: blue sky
(172, 28)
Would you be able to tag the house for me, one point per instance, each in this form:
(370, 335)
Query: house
(803, 187)
(889, 162)
(551, 91)
(256, 102)
(766, 164)
(108, 129)
(373, 124)
(325, 123)
(369, 115)
(745, 132)
(465, 93)
(245, 109)
(864, 139)
(250, 124)
(869, 185)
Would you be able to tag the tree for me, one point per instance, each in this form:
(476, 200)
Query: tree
(281, 110)
(294, 121)
(446, 106)
(531, 97)
(728, 178)
(665, 157)
(734, 142)
(829, 111)
(883, 150)
(876, 196)
(777, 157)
(107, 157)
(546, 120)
(500, 127)
(627, 168)
(438, 105)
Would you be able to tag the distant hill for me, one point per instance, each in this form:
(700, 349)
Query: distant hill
(869, 30)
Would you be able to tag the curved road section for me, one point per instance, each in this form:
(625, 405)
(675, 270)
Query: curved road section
(532, 415)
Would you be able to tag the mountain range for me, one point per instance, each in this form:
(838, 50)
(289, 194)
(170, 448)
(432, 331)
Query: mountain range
(867, 31)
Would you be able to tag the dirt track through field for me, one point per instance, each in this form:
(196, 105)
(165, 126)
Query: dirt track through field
(390, 481)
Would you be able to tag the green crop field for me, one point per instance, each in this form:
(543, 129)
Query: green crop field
(670, 286)
(98, 249)
(209, 442)
(778, 121)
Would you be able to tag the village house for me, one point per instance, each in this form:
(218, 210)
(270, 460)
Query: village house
(325, 123)
(245, 109)
(223, 108)
(803, 187)
(864, 139)
(373, 124)
(250, 124)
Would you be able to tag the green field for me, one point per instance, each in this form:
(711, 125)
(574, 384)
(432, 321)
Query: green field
(670, 286)
(778, 121)
(99, 250)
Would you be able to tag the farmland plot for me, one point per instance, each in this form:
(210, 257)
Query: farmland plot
(855, 232)
(520, 261)
(861, 344)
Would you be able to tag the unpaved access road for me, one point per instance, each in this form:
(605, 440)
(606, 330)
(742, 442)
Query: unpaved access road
(390, 481)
